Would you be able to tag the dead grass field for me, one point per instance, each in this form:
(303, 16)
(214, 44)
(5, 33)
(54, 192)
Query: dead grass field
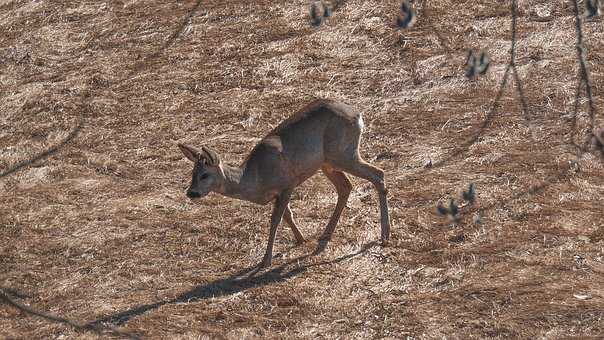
(102, 233)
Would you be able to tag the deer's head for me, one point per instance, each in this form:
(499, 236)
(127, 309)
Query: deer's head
(207, 171)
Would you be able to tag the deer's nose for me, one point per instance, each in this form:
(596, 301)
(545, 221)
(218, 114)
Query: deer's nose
(193, 194)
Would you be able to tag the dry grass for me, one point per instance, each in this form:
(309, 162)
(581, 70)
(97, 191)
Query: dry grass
(101, 232)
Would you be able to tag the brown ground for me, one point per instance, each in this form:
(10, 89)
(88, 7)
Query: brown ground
(101, 232)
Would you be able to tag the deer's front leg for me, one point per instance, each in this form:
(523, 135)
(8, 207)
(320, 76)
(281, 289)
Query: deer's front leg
(281, 203)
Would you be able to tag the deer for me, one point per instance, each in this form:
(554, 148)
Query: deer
(325, 134)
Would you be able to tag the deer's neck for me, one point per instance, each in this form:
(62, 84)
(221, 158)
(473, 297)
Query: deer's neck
(243, 183)
(233, 186)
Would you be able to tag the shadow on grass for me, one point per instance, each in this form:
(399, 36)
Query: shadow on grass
(44, 154)
(249, 278)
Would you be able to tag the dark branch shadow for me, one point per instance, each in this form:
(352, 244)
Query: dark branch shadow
(177, 32)
(5, 298)
(583, 80)
(138, 67)
(44, 154)
(7, 294)
(481, 127)
(228, 286)
(10, 291)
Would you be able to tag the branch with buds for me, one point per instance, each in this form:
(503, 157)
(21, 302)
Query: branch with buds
(453, 209)
(406, 16)
(593, 8)
(477, 63)
(319, 10)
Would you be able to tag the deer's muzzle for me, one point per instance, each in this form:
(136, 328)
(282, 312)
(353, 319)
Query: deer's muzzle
(193, 194)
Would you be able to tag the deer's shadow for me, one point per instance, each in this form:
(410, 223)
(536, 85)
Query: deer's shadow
(249, 278)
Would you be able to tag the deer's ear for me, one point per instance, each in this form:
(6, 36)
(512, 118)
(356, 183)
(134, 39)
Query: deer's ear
(189, 152)
(211, 156)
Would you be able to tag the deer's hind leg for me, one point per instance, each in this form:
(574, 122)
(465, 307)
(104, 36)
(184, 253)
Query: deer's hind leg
(359, 168)
(289, 218)
(343, 188)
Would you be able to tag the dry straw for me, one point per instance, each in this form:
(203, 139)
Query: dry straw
(10, 299)
(4, 294)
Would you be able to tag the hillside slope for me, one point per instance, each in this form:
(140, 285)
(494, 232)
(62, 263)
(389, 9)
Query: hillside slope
(102, 233)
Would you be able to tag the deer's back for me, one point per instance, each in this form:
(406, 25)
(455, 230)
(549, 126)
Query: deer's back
(298, 147)
(318, 109)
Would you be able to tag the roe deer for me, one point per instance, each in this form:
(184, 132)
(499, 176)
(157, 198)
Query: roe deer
(324, 135)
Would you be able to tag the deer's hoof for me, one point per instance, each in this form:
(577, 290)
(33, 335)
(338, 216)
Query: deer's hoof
(384, 242)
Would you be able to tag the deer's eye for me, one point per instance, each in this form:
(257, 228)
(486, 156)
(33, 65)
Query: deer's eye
(204, 176)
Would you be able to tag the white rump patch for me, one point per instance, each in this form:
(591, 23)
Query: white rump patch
(360, 122)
